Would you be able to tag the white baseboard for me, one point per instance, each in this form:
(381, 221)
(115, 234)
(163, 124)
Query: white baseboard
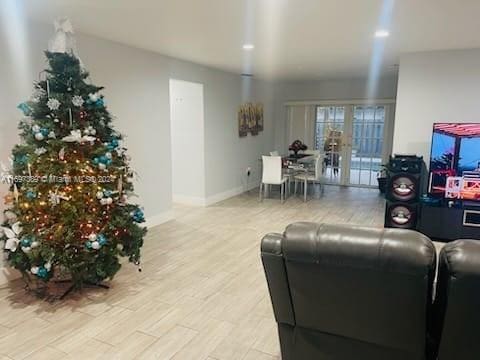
(188, 200)
(229, 193)
(159, 219)
(194, 201)
(198, 201)
(224, 195)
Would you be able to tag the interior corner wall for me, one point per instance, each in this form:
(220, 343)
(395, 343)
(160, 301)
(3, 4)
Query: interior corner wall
(439, 86)
(187, 127)
(339, 89)
(227, 156)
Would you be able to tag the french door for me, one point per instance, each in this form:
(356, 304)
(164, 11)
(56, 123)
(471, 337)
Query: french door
(356, 140)
(366, 144)
(329, 138)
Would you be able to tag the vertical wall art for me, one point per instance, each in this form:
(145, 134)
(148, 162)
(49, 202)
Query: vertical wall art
(250, 119)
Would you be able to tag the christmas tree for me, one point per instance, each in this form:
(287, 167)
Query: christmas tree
(68, 212)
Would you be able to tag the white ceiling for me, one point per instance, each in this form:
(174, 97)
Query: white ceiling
(294, 39)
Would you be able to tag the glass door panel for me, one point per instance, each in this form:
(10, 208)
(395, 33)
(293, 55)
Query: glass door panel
(329, 130)
(367, 144)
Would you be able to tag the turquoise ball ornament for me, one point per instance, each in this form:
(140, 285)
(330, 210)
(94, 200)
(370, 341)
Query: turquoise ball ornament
(42, 273)
(104, 160)
(113, 144)
(26, 242)
(138, 216)
(31, 195)
(25, 108)
(22, 159)
(88, 244)
(102, 240)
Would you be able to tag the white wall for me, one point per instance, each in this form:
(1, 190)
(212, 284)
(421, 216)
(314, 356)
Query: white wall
(441, 86)
(343, 89)
(226, 154)
(188, 142)
(137, 93)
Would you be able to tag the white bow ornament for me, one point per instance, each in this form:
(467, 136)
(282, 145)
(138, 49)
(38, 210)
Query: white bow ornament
(76, 136)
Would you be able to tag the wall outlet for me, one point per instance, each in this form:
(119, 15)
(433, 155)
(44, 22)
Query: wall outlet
(249, 171)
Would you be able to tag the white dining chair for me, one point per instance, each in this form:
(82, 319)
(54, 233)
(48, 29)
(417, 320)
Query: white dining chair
(274, 153)
(315, 177)
(272, 175)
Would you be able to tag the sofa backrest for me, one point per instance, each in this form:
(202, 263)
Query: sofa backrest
(457, 304)
(370, 286)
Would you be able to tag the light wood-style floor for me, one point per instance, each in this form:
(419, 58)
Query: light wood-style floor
(201, 295)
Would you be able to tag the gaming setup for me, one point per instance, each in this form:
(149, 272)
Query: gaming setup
(443, 202)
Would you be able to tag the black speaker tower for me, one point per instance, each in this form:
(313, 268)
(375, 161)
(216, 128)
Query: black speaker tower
(405, 185)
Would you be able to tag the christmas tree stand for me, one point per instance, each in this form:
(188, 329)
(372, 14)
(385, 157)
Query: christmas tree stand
(72, 287)
(58, 288)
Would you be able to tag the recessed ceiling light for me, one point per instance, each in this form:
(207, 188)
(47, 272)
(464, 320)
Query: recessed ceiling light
(248, 47)
(382, 33)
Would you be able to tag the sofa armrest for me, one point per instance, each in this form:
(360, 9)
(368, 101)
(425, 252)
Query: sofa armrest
(277, 280)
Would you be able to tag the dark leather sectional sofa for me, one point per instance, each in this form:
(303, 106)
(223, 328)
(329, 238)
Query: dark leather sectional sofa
(355, 293)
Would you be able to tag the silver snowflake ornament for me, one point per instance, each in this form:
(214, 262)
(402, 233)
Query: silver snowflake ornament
(77, 100)
(53, 104)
